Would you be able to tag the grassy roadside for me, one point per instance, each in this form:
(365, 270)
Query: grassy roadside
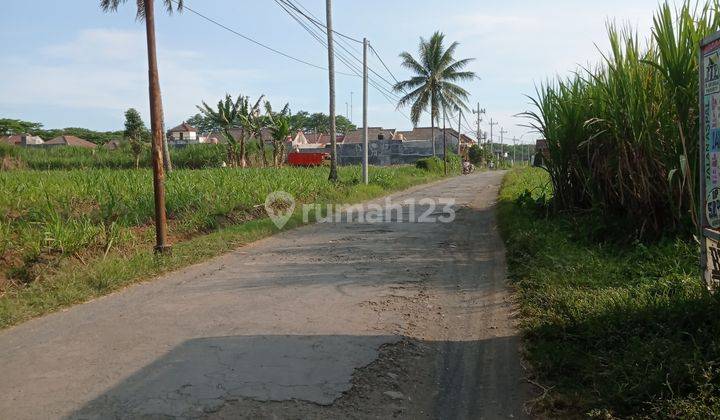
(611, 330)
(96, 269)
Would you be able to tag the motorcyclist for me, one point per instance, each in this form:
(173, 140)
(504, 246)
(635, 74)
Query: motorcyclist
(467, 167)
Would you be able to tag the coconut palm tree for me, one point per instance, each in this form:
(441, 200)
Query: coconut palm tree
(433, 84)
(146, 12)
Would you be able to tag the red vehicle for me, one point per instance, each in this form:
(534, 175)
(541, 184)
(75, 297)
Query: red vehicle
(307, 159)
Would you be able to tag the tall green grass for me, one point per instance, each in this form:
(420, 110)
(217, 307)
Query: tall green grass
(199, 156)
(623, 136)
(611, 331)
(53, 223)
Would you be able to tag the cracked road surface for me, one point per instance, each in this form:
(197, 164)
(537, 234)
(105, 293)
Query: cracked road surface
(335, 320)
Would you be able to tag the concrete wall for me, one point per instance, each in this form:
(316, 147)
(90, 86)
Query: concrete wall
(390, 152)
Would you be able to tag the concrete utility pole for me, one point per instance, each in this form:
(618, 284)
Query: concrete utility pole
(157, 127)
(514, 147)
(331, 72)
(366, 163)
(502, 142)
(351, 105)
(444, 143)
(459, 132)
(479, 112)
(492, 146)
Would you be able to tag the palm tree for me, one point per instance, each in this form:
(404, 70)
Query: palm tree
(228, 116)
(146, 11)
(434, 83)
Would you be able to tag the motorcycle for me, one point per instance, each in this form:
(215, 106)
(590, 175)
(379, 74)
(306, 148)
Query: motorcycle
(468, 168)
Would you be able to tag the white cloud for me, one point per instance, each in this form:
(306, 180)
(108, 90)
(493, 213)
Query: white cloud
(104, 69)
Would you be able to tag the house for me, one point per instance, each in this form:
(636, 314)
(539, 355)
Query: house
(542, 152)
(183, 134)
(112, 145)
(374, 133)
(308, 142)
(22, 140)
(70, 141)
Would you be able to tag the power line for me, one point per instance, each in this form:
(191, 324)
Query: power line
(383, 63)
(387, 93)
(315, 20)
(256, 42)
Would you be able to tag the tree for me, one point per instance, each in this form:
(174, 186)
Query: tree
(299, 120)
(227, 116)
(252, 122)
(203, 124)
(146, 12)
(433, 85)
(344, 125)
(135, 133)
(9, 126)
(318, 123)
(281, 128)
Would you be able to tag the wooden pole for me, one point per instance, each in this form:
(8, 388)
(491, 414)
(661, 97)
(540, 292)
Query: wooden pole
(331, 72)
(156, 125)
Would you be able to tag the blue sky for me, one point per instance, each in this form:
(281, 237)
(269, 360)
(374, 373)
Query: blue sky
(66, 63)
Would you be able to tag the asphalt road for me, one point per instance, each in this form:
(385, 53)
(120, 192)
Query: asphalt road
(353, 320)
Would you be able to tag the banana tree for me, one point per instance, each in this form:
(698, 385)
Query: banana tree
(228, 116)
(251, 120)
(281, 128)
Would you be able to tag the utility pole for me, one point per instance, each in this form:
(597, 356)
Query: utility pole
(365, 112)
(351, 105)
(347, 111)
(444, 143)
(492, 146)
(157, 127)
(459, 132)
(479, 120)
(331, 73)
(502, 142)
(514, 147)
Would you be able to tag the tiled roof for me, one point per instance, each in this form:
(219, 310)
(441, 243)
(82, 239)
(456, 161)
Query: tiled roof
(183, 128)
(374, 133)
(71, 141)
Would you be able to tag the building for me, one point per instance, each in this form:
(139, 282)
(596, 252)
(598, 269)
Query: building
(113, 145)
(542, 152)
(392, 147)
(183, 135)
(70, 141)
(374, 133)
(22, 140)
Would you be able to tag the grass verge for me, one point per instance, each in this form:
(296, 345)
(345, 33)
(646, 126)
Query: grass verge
(56, 225)
(611, 330)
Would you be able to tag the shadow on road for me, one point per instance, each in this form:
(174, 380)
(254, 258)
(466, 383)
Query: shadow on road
(312, 376)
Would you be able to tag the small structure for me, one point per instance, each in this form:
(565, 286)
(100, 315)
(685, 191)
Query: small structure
(112, 145)
(308, 142)
(23, 140)
(70, 141)
(183, 134)
(542, 153)
(374, 133)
